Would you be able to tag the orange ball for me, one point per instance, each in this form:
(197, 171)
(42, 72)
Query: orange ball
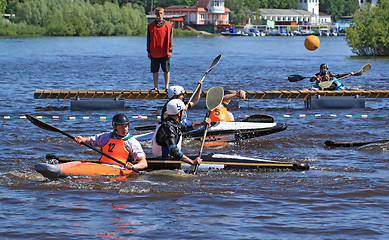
(311, 42)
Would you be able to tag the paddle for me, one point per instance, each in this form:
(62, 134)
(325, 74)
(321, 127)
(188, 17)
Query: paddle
(213, 64)
(213, 99)
(145, 127)
(262, 118)
(49, 127)
(352, 144)
(296, 78)
(327, 84)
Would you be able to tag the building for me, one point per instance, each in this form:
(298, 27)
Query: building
(324, 19)
(289, 16)
(364, 2)
(207, 15)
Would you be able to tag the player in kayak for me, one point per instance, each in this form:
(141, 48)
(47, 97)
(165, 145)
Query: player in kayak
(118, 144)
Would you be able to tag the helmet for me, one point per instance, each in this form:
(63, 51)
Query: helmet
(120, 119)
(322, 66)
(175, 90)
(175, 106)
(324, 72)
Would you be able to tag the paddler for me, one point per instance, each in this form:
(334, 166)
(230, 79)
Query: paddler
(220, 114)
(167, 139)
(325, 76)
(317, 77)
(178, 92)
(118, 144)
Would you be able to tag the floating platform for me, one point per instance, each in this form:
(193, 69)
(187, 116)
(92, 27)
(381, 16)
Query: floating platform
(162, 94)
(115, 99)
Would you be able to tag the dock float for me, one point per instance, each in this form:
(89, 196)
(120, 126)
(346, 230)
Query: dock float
(162, 94)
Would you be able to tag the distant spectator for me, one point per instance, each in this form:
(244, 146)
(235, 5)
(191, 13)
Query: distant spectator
(160, 46)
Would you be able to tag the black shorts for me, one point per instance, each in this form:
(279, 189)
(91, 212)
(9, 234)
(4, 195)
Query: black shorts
(164, 62)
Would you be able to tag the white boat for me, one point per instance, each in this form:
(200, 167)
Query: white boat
(232, 32)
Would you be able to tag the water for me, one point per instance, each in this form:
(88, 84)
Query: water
(344, 195)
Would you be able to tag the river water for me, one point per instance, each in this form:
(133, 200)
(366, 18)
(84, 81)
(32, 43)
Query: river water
(343, 196)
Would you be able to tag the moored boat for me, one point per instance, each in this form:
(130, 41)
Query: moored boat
(232, 32)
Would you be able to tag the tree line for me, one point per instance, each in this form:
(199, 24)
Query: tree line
(75, 18)
(241, 10)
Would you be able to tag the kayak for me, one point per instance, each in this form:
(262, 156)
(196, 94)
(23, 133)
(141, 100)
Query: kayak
(235, 131)
(250, 127)
(82, 169)
(210, 161)
(226, 162)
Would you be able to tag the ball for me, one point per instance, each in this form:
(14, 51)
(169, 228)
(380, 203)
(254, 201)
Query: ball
(311, 42)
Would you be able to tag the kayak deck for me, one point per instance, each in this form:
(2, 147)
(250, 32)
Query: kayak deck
(211, 161)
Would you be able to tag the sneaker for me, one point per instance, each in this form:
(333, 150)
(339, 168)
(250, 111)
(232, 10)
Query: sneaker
(153, 89)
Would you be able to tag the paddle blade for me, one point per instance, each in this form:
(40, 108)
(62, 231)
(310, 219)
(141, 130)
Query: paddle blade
(325, 84)
(262, 118)
(366, 68)
(41, 124)
(295, 78)
(145, 127)
(214, 62)
(214, 97)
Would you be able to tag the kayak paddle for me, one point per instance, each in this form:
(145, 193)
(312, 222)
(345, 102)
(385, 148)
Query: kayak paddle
(327, 84)
(214, 98)
(296, 78)
(262, 118)
(49, 127)
(352, 144)
(213, 64)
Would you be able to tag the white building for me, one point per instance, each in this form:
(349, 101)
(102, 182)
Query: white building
(299, 16)
(364, 2)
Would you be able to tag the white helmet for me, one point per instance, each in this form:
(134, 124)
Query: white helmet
(175, 90)
(175, 106)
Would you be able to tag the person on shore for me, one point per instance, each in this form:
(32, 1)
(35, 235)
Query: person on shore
(160, 46)
(118, 144)
(167, 138)
(221, 114)
(178, 92)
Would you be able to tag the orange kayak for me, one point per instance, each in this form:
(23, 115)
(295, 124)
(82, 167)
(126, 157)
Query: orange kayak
(81, 169)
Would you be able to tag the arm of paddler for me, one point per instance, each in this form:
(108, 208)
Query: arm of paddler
(186, 159)
(141, 164)
(79, 139)
(197, 95)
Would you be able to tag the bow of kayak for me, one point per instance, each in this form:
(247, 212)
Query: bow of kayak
(81, 169)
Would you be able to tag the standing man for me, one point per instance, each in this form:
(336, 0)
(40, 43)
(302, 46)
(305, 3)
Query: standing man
(160, 46)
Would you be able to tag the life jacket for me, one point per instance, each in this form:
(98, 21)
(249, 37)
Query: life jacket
(163, 151)
(160, 39)
(220, 114)
(116, 149)
(339, 85)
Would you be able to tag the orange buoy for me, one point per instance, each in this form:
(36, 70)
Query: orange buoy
(311, 42)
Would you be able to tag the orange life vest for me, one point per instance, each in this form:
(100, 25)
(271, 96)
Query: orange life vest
(220, 114)
(160, 39)
(116, 149)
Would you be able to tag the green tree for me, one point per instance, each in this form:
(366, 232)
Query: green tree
(338, 8)
(368, 34)
(3, 5)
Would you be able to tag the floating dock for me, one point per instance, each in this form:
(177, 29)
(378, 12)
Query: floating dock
(162, 94)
